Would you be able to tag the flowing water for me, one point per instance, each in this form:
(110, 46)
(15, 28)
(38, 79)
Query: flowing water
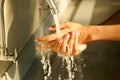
(71, 66)
(56, 20)
(69, 60)
(46, 63)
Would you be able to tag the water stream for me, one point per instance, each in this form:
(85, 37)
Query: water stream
(56, 20)
(69, 60)
(70, 64)
(45, 54)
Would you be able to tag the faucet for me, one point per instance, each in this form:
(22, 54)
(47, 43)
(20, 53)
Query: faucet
(53, 7)
(4, 54)
(3, 38)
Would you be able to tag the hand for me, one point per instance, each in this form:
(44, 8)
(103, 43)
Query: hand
(69, 45)
(67, 29)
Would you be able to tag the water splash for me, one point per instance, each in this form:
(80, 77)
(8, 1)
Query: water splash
(46, 63)
(69, 60)
(56, 20)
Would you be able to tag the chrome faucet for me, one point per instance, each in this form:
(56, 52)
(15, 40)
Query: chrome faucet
(4, 54)
(52, 6)
(3, 38)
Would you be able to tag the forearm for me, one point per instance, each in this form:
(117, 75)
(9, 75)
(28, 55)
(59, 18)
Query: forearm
(107, 32)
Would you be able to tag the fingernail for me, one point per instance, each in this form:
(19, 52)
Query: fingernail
(76, 32)
(59, 40)
(73, 33)
(68, 36)
(49, 28)
(36, 40)
(36, 48)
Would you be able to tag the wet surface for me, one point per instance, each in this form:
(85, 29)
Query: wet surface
(100, 61)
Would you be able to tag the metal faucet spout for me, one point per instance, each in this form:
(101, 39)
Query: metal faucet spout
(52, 6)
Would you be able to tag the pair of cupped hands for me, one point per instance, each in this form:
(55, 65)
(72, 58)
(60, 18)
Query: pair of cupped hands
(72, 40)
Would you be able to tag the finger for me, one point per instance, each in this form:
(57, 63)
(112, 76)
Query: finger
(45, 46)
(52, 37)
(82, 47)
(63, 48)
(75, 45)
(71, 41)
(62, 25)
(46, 38)
(58, 45)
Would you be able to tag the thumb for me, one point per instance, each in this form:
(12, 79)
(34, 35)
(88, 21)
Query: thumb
(83, 47)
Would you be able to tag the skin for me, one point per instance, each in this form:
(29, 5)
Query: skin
(68, 43)
(74, 37)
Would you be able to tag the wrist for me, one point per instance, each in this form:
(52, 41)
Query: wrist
(85, 34)
(93, 32)
(89, 32)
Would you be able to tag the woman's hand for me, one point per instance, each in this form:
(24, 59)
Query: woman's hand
(72, 36)
(68, 45)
